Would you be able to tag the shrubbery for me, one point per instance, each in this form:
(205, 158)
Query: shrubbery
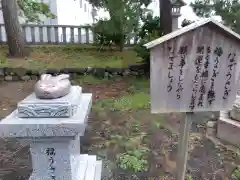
(148, 32)
(107, 33)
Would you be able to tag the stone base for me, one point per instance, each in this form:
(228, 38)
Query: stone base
(89, 169)
(228, 129)
(33, 107)
(235, 114)
(14, 127)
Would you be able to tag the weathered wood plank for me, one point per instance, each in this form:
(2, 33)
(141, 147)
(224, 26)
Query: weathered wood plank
(191, 72)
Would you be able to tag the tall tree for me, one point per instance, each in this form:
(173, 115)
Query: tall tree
(31, 11)
(228, 10)
(165, 16)
(15, 37)
(102, 3)
(124, 17)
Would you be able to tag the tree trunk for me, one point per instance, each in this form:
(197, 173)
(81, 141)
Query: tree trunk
(165, 16)
(15, 37)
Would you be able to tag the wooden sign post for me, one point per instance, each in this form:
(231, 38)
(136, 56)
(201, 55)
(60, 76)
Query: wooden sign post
(194, 69)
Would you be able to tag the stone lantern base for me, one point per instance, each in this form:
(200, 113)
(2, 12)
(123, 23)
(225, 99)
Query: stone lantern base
(53, 129)
(228, 127)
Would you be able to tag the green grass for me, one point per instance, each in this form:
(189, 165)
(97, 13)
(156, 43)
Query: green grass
(135, 98)
(127, 103)
(139, 84)
(88, 79)
(58, 57)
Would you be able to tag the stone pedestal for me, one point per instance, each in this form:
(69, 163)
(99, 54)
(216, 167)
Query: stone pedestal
(234, 113)
(54, 140)
(228, 129)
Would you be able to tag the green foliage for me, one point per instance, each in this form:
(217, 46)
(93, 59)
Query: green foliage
(236, 174)
(133, 160)
(189, 177)
(149, 31)
(32, 11)
(88, 79)
(139, 84)
(78, 56)
(107, 33)
(132, 102)
(151, 25)
(124, 19)
(186, 22)
(125, 103)
(228, 10)
(135, 156)
(159, 123)
(102, 3)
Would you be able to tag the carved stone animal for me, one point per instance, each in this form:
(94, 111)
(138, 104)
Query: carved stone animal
(52, 87)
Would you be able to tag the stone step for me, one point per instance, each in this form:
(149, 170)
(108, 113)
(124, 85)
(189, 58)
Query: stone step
(98, 170)
(90, 167)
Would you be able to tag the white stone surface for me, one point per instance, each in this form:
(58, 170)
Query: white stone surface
(66, 163)
(65, 106)
(234, 113)
(228, 129)
(14, 127)
(211, 124)
(55, 143)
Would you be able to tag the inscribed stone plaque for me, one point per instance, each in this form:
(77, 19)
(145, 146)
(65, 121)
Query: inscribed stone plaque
(196, 71)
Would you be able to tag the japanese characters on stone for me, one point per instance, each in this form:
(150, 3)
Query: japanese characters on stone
(50, 152)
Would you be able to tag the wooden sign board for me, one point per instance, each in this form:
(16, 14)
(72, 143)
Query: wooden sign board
(195, 69)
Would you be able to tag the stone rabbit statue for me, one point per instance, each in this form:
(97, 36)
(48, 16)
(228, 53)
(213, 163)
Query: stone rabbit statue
(52, 87)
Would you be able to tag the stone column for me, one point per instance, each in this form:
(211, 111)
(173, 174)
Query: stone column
(53, 129)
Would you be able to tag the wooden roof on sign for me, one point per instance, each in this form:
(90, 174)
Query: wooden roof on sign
(209, 22)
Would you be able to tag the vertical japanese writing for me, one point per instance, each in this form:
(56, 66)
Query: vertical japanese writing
(183, 53)
(51, 153)
(198, 63)
(204, 77)
(211, 96)
(231, 64)
(170, 69)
